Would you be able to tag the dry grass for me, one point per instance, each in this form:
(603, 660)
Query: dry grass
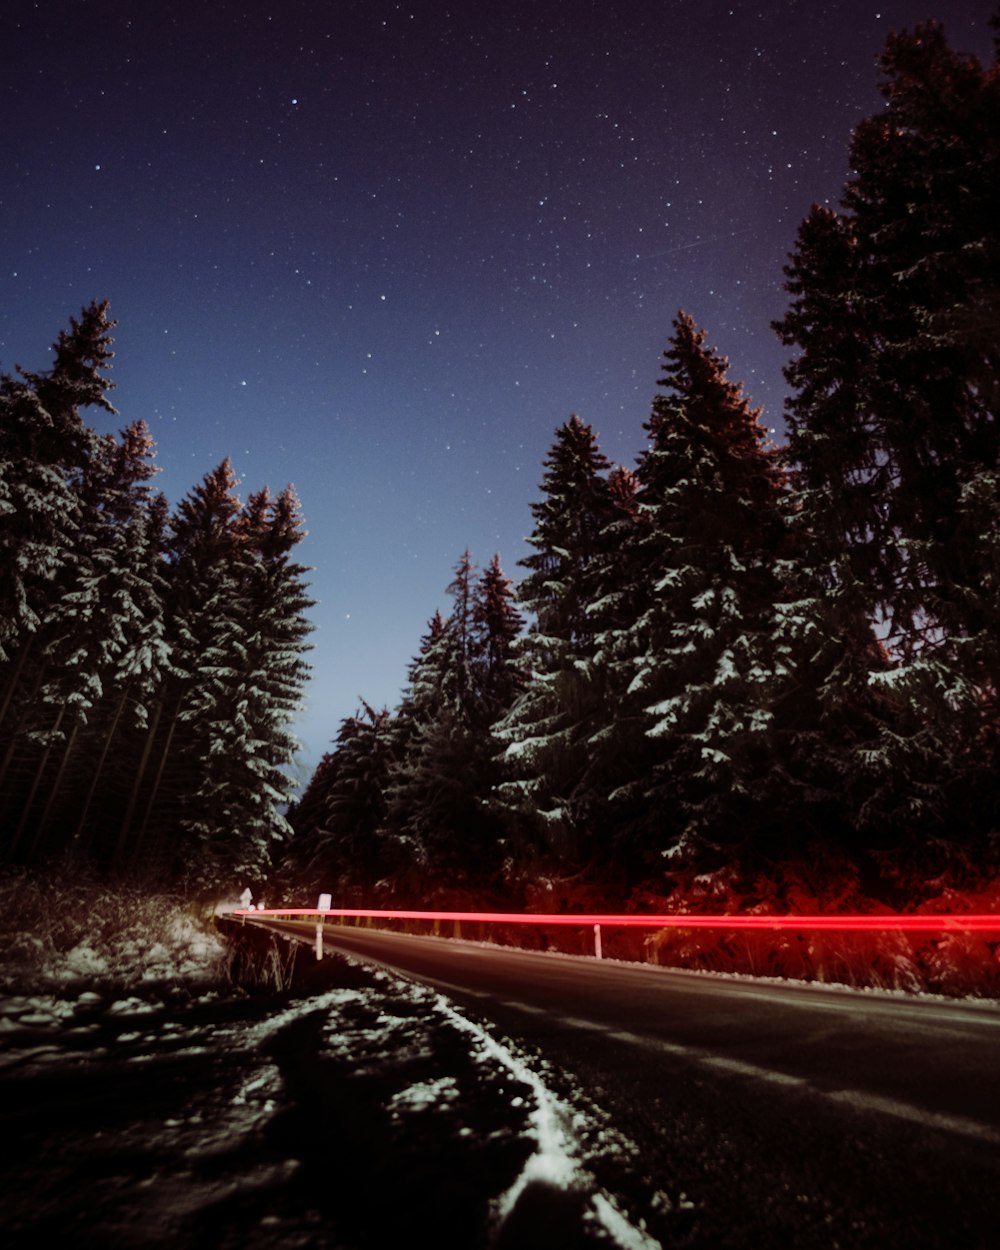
(66, 925)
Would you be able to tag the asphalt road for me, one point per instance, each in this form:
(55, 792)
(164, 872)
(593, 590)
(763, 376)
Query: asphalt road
(786, 1115)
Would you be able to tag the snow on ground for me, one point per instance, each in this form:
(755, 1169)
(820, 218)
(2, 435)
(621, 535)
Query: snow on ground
(153, 1103)
(161, 1106)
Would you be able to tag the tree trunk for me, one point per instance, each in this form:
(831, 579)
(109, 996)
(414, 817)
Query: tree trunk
(98, 767)
(55, 787)
(19, 724)
(29, 801)
(15, 677)
(154, 790)
(133, 798)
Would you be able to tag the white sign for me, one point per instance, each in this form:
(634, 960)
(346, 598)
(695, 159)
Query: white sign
(325, 902)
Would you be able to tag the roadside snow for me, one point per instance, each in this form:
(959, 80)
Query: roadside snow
(552, 1126)
(377, 1049)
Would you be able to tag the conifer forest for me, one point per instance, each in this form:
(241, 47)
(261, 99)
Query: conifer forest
(151, 662)
(733, 675)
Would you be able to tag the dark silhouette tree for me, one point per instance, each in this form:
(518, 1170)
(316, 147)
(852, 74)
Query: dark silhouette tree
(893, 428)
(546, 757)
(46, 453)
(692, 665)
(339, 823)
(497, 624)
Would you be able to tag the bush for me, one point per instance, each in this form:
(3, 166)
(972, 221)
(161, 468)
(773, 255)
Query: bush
(67, 925)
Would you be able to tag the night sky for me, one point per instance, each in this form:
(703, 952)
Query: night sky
(383, 250)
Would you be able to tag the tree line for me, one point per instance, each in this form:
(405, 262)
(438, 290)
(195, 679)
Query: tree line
(151, 662)
(750, 674)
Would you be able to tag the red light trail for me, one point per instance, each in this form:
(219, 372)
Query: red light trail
(939, 923)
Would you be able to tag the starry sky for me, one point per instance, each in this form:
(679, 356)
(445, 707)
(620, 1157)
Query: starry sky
(382, 250)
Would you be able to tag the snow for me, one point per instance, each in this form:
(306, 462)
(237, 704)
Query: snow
(526, 747)
(439, 1094)
(429, 1063)
(551, 816)
(433, 1075)
(553, 1158)
(726, 669)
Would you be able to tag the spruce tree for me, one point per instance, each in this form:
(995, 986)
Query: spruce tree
(569, 519)
(46, 454)
(898, 371)
(339, 824)
(44, 447)
(893, 426)
(443, 832)
(692, 665)
(237, 629)
(205, 623)
(147, 679)
(497, 624)
(236, 810)
(429, 796)
(107, 661)
(545, 734)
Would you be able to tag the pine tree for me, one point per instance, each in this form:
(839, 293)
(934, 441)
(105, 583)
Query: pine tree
(237, 627)
(147, 680)
(497, 623)
(425, 801)
(569, 519)
(46, 454)
(457, 674)
(235, 811)
(270, 693)
(438, 822)
(44, 446)
(205, 625)
(898, 371)
(544, 735)
(106, 663)
(339, 823)
(693, 663)
(893, 423)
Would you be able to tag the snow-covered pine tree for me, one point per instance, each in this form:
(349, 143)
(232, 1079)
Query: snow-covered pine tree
(45, 451)
(569, 519)
(497, 624)
(142, 700)
(442, 831)
(269, 687)
(693, 665)
(561, 704)
(893, 426)
(44, 445)
(206, 628)
(424, 802)
(893, 315)
(141, 664)
(459, 682)
(107, 663)
(339, 824)
(220, 742)
(424, 694)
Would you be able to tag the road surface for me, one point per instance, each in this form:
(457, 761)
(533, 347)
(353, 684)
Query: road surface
(798, 1115)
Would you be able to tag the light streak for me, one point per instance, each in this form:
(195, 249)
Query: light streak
(937, 923)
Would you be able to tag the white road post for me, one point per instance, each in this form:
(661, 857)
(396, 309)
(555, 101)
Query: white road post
(597, 941)
(324, 904)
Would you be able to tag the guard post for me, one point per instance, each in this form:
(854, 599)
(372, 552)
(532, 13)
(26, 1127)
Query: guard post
(324, 904)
